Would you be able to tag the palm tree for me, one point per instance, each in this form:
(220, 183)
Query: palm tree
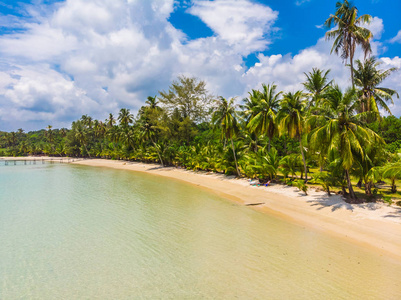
(316, 84)
(152, 103)
(49, 133)
(110, 121)
(248, 108)
(264, 112)
(392, 172)
(63, 132)
(87, 121)
(127, 137)
(80, 134)
(368, 79)
(344, 131)
(125, 117)
(291, 120)
(348, 33)
(226, 117)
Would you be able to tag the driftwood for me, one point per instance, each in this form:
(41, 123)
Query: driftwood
(254, 204)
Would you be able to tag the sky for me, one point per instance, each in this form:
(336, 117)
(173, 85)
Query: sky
(61, 59)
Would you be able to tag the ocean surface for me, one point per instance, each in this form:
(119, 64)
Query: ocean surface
(76, 232)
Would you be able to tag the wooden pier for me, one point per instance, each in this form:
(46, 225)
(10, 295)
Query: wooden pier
(7, 161)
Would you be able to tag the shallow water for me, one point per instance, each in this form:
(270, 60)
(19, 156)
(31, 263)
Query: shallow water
(75, 232)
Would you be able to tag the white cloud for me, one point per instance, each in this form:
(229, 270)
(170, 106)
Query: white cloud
(376, 27)
(71, 61)
(300, 2)
(241, 23)
(397, 38)
(288, 71)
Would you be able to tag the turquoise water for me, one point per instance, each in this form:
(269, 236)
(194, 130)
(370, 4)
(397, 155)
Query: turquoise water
(75, 232)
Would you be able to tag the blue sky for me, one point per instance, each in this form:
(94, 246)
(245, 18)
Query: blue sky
(61, 59)
(299, 25)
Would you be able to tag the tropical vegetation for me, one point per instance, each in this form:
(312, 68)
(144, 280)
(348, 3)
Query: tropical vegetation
(323, 135)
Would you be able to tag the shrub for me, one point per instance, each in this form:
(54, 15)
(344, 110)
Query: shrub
(301, 185)
(387, 199)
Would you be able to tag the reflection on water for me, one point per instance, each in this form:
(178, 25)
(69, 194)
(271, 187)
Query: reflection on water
(78, 232)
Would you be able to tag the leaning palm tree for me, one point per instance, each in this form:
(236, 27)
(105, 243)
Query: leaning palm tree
(291, 118)
(344, 131)
(264, 113)
(348, 32)
(368, 78)
(226, 118)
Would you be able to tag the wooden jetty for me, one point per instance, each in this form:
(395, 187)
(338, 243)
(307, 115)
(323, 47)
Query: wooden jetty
(6, 161)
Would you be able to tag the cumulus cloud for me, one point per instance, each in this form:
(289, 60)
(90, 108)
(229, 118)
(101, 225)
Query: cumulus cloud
(287, 71)
(240, 23)
(96, 56)
(115, 53)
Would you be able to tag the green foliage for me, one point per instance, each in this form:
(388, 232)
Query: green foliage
(271, 136)
(301, 185)
(387, 199)
(326, 180)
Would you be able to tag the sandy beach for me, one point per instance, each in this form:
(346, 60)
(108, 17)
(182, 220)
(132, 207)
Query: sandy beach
(373, 225)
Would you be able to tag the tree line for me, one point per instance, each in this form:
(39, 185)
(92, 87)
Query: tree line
(270, 135)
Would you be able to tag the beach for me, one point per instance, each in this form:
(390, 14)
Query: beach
(373, 225)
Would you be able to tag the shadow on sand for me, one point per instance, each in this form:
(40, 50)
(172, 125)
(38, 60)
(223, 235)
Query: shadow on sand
(336, 202)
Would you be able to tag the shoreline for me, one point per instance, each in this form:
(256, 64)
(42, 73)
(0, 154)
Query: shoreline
(372, 225)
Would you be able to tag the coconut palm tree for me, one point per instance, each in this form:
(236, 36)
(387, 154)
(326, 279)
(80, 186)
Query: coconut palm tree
(316, 84)
(344, 131)
(392, 172)
(87, 121)
(111, 121)
(226, 118)
(249, 104)
(125, 117)
(368, 78)
(263, 119)
(348, 32)
(49, 133)
(63, 132)
(152, 103)
(80, 134)
(291, 118)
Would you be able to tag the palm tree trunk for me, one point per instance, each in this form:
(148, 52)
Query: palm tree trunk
(235, 158)
(157, 150)
(303, 159)
(393, 186)
(268, 147)
(87, 151)
(161, 161)
(351, 190)
(368, 188)
(351, 59)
